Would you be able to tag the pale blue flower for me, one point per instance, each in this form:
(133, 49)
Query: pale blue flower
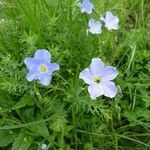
(99, 78)
(43, 147)
(111, 21)
(86, 6)
(40, 67)
(94, 26)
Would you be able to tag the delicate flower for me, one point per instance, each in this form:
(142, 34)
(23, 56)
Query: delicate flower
(94, 26)
(111, 21)
(86, 7)
(2, 20)
(40, 67)
(99, 78)
(43, 146)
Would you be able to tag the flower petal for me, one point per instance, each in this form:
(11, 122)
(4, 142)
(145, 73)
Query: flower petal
(53, 67)
(114, 26)
(97, 67)
(86, 6)
(98, 29)
(110, 90)
(91, 22)
(89, 11)
(31, 75)
(109, 73)
(94, 26)
(111, 21)
(30, 63)
(43, 55)
(116, 19)
(95, 90)
(82, 8)
(45, 79)
(109, 16)
(86, 76)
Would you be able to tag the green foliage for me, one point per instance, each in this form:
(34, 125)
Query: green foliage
(62, 115)
(7, 137)
(40, 130)
(22, 142)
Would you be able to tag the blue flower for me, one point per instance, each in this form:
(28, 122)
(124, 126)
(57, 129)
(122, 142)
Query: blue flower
(99, 78)
(40, 67)
(43, 146)
(111, 21)
(86, 7)
(94, 26)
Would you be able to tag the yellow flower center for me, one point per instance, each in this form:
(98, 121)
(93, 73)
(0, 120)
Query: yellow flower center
(43, 68)
(97, 79)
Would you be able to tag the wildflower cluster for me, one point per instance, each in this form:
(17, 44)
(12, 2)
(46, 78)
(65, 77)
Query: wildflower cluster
(94, 27)
(73, 75)
(98, 77)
